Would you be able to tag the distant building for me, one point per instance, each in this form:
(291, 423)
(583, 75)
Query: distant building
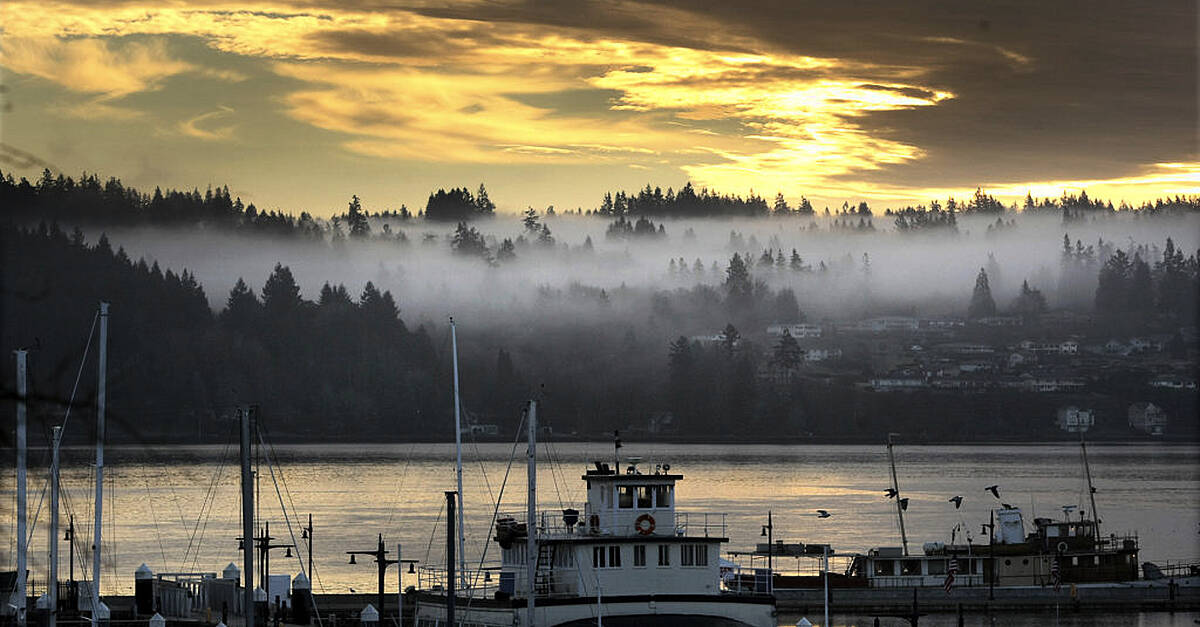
(799, 330)
(885, 324)
(1173, 382)
(1000, 321)
(1074, 420)
(822, 354)
(1147, 418)
(483, 429)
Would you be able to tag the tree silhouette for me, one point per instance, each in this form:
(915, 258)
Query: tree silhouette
(982, 304)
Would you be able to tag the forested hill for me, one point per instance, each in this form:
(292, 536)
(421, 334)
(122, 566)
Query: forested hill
(175, 368)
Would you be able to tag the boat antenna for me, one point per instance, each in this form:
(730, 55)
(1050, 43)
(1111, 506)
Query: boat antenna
(1087, 471)
(900, 502)
(462, 566)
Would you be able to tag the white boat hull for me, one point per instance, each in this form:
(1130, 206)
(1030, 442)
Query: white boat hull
(691, 610)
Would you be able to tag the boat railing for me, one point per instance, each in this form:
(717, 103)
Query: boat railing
(480, 582)
(690, 524)
(1115, 542)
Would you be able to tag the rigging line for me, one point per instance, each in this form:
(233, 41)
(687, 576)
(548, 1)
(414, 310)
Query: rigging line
(211, 504)
(86, 348)
(154, 515)
(314, 576)
(433, 534)
(496, 509)
(286, 518)
(66, 416)
(400, 486)
(205, 511)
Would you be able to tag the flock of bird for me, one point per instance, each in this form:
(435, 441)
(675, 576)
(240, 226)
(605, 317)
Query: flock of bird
(956, 499)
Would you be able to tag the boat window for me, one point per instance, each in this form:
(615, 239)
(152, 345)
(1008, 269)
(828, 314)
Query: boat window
(644, 498)
(662, 496)
(614, 557)
(693, 555)
(639, 555)
(625, 497)
(664, 555)
(910, 567)
(884, 567)
(937, 567)
(597, 557)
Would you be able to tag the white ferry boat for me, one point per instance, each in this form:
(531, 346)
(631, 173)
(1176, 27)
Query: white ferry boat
(629, 559)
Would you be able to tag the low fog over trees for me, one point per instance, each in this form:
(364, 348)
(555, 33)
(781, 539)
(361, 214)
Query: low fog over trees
(684, 314)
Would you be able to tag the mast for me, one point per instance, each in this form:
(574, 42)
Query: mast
(22, 539)
(247, 520)
(531, 557)
(450, 498)
(462, 554)
(896, 489)
(1087, 471)
(101, 401)
(52, 532)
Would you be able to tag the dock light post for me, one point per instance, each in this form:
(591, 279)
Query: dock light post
(768, 530)
(306, 534)
(381, 559)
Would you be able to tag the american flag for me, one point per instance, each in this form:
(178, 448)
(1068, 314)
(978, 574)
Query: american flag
(951, 571)
(1055, 575)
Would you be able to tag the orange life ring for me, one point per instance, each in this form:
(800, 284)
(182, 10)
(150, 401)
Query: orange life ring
(644, 524)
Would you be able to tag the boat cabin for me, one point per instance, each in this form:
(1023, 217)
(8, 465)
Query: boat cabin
(629, 541)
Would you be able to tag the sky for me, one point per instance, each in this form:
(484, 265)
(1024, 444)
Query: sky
(296, 105)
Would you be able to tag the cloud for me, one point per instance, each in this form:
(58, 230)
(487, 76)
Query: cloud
(192, 127)
(108, 69)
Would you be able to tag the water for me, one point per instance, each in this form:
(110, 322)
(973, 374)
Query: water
(177, 508)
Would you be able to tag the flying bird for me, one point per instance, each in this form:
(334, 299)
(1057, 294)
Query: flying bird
(823, 514)
(891, 493)
(957, 500)
(994, 489)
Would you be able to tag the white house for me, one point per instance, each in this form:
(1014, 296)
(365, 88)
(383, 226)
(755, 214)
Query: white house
(1074, 420)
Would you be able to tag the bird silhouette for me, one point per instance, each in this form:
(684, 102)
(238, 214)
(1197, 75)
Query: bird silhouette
(891, 493)
(904, 504)
(994, 489)
(823, 514)
(957, 500)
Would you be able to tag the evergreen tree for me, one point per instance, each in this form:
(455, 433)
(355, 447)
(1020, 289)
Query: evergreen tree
(738, 284)
(1112, 288)
(982, 304)
(242, 309)
(1029, 302)
(356, 220)
(507, 252)
(469, 242)
(780, 207)
(484, 205)
(280, 294)
(730, 339)
(787, 352)
(1141, 289)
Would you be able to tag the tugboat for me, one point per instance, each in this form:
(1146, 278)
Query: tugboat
(629, 559)
(1055, 552)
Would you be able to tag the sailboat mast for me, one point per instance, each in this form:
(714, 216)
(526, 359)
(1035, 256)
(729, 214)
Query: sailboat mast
(896, 489)
(52, 532)
(1087, 471)
(101, 401)
(22, 538)
(247, 519)
(462, 558)
(531, 555)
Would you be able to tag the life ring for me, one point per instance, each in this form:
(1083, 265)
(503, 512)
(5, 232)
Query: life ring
(1062, 547)
(644, 524)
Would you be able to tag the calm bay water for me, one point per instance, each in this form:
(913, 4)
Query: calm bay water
(177, 508)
